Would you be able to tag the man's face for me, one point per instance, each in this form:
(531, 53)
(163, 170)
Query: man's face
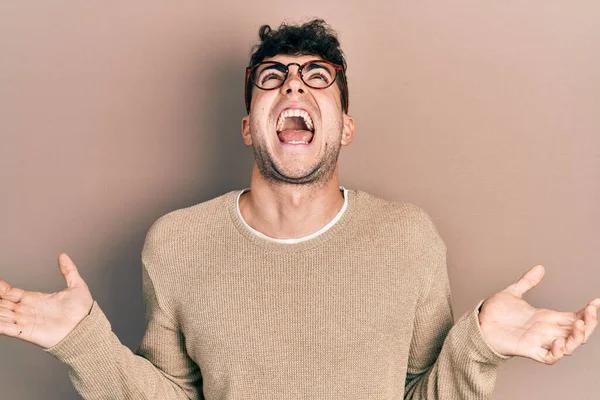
(278, 137)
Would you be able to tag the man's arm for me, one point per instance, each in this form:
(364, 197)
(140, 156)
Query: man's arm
(70, 326)
(461, 361)
(514, 327)
(448, 361)
(103, 368)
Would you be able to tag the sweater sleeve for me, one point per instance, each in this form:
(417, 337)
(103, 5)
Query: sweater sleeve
(446, 361)
(100, 367)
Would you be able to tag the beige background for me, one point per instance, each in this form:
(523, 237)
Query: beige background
(485, 114)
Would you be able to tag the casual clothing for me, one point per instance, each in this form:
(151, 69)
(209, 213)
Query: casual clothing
(298, 240)
(360, 311)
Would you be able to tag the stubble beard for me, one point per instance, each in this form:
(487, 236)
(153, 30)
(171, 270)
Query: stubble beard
(317, 176)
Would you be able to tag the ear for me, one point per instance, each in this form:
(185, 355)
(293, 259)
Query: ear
(348, 131)
(246, 131)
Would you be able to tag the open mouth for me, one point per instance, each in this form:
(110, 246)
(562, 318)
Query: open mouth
(295, 126)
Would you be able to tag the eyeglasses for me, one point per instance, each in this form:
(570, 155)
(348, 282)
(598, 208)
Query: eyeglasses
(316, 74)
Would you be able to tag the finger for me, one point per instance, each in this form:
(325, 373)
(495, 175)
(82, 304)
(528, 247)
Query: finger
(591, 321)
(69, 271)
(543, 335)
(558, 317)
(7, 315)
(7, 304)
(556, 353)
(10, 329)
(566, 319)
(594, 302)
(589, 314)
(527, 282)
(576, 338)
(10, 293)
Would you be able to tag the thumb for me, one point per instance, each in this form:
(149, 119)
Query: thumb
(527, 281)
(69, 271)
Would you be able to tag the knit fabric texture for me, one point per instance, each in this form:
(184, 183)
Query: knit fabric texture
(361, 311)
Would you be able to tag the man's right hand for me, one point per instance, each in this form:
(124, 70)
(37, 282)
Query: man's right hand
(41, 318)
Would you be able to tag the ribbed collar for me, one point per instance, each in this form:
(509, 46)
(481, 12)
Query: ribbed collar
(230, 203)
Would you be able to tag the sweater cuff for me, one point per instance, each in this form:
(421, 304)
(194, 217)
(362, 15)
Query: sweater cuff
(92, 332)
(483, 348)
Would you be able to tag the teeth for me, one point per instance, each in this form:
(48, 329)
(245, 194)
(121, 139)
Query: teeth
(297, 142)
(294, 113)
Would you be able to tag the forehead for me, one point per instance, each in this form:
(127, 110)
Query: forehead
(286, 59)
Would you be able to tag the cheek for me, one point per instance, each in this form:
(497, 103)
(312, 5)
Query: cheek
(329, 105)
(333, 119)
(259, 127)
(335, 100)
(264, 99)
(261, 110)
(332, 129)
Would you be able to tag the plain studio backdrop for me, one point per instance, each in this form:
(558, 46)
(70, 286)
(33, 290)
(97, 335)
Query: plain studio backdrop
(485, 114)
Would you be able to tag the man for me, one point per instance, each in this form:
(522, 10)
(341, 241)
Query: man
(297, 287)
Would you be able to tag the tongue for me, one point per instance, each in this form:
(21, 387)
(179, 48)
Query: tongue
(290, 135)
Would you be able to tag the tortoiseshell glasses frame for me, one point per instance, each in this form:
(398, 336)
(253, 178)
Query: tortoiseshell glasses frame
(339, 71)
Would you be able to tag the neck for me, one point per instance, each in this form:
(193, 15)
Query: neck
(286, 211)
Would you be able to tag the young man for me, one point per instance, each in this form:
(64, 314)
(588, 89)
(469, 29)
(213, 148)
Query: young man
(296, 287)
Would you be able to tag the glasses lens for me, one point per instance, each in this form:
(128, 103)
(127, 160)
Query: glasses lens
(318, 74)
(269, 75)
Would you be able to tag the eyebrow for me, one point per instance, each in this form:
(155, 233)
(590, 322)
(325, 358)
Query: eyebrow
(313, 66)
(279, 67)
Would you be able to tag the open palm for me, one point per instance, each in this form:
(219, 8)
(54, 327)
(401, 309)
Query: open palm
(515, 328)
(45, 319)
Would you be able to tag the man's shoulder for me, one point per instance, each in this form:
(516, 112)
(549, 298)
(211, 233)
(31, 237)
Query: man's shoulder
(194, 220)
(401, 220)
(394, 211)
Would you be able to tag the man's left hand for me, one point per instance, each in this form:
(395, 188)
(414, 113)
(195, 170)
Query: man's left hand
(513, 327)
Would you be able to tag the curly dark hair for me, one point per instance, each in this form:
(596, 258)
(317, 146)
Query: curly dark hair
(314, 37)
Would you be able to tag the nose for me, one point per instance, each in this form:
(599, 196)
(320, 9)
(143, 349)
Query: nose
(293, 83)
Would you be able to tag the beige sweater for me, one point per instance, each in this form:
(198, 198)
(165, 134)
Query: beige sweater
(362, 311)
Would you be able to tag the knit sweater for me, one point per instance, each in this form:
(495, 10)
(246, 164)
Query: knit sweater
(361, 311)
